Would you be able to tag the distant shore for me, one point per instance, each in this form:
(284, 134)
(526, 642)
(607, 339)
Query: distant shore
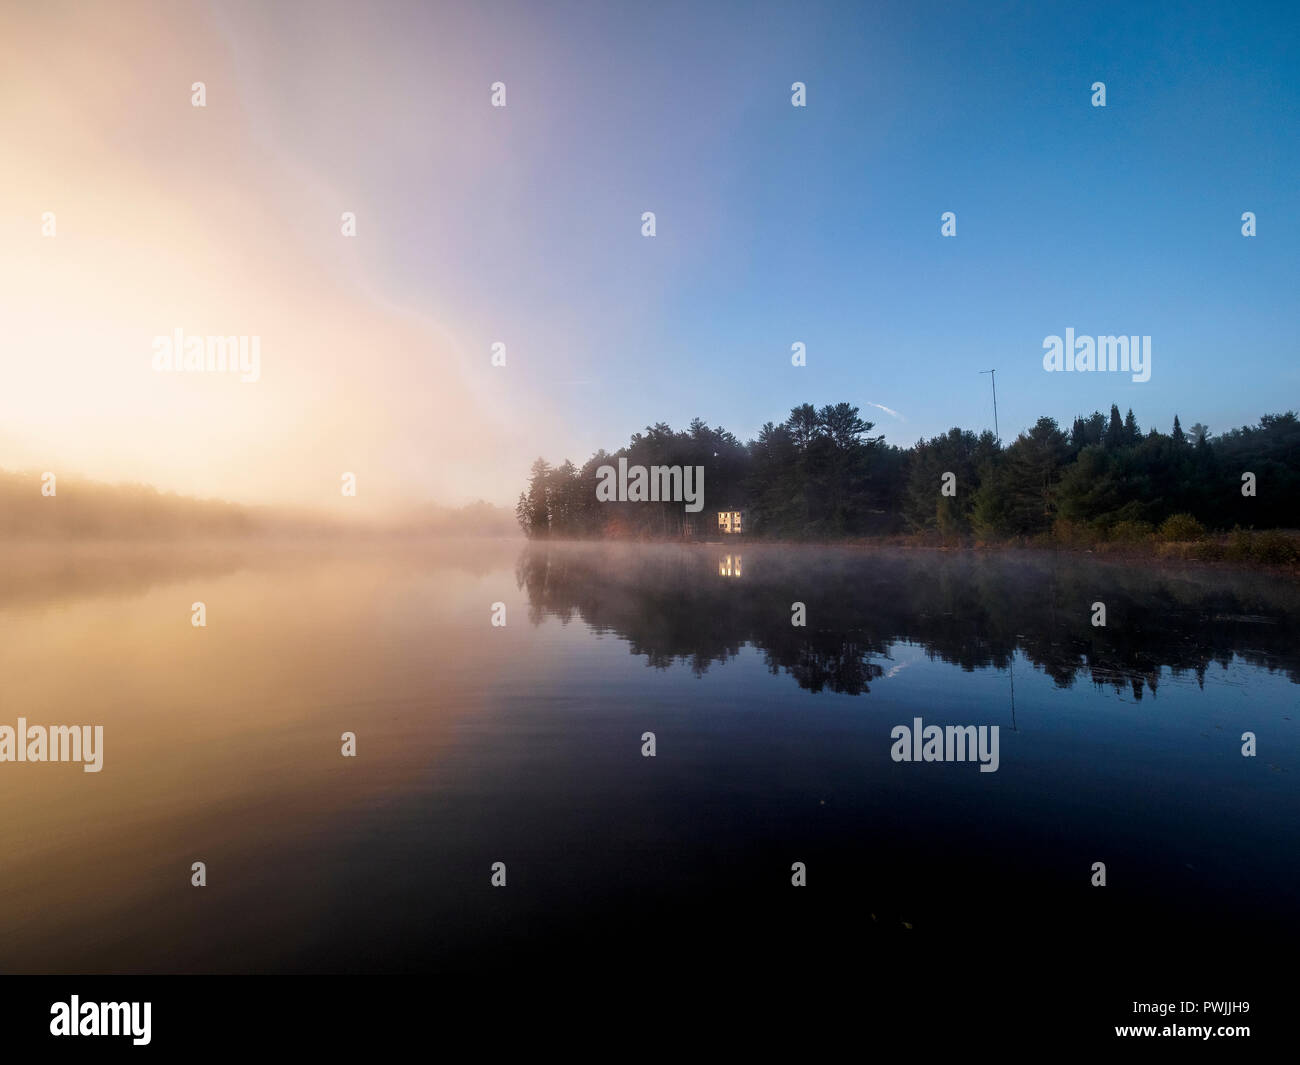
(1270, 550)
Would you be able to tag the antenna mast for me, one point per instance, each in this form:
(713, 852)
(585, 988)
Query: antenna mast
(993, 378)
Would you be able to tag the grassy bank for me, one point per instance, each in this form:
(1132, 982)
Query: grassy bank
(1179, 539)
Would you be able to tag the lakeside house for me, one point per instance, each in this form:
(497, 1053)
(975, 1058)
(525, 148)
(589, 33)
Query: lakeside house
(729, 522)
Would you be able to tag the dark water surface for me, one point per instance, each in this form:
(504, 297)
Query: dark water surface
(522, 744)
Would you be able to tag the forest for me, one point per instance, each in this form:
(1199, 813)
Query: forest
(83, 509)
(824, 475)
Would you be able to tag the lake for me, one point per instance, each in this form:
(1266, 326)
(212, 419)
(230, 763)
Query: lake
(523, 744)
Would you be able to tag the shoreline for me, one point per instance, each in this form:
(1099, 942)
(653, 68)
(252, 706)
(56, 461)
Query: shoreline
(1273, 552)
(1218, 552)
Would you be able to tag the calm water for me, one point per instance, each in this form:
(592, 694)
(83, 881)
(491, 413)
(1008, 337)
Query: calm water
(522, 744)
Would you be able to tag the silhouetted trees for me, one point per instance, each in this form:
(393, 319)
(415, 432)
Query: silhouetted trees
(821, 474)
(675, 605)
(80, 509)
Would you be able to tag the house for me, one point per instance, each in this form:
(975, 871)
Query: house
(729, 522)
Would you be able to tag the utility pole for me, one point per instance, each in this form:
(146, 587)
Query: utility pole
(993, 377)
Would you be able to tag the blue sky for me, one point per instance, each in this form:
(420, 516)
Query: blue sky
(522, 225)
(778, 224)
(1122, 219)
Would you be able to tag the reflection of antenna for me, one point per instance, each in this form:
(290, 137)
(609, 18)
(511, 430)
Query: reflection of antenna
(1013, 689)
(993, 377)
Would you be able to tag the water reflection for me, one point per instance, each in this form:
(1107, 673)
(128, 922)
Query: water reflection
(222, 744)
(522, 743)
(974, 612)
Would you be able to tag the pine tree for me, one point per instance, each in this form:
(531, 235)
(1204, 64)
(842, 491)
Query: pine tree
(1114, 437)
(1132, 434)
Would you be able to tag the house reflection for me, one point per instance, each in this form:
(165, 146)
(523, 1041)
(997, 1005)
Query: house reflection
(970, 611)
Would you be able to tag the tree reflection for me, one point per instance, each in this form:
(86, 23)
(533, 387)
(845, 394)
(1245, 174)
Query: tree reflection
(684, 604)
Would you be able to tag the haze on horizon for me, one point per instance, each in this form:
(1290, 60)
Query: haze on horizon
(522, 225)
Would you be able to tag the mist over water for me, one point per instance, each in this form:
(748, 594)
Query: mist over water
(522, 744)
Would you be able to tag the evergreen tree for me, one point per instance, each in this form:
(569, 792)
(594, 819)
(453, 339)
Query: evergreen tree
(1132, 434)
(1115, 430)
(821, 474)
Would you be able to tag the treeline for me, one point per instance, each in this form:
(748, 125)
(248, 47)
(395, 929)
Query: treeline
(81, 509)
(821, 474)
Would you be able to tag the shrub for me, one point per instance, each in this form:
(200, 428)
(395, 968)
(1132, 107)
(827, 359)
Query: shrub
(1239, 545)
(1274, 547)
(1131, 532)
(1179, 528)
(1073, 534)
(1271, 546)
